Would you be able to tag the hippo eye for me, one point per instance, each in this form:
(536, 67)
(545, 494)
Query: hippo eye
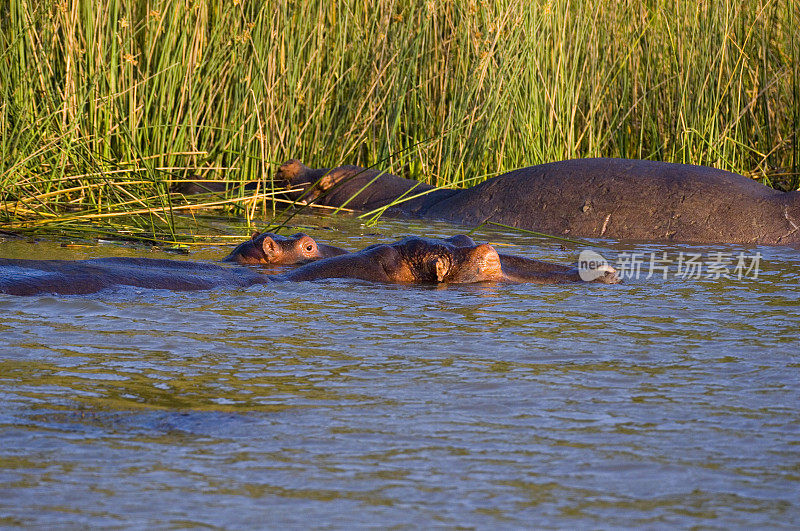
(309, 247)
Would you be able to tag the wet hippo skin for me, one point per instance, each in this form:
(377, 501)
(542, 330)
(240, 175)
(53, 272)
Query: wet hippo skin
(600, 198)
(273, 249)
(75, 277)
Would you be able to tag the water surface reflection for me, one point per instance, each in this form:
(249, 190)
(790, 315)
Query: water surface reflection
(654, 402)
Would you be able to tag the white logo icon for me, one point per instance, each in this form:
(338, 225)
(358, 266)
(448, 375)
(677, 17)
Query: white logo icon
(592, 265)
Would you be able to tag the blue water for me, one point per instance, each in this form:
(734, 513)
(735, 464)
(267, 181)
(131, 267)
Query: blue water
(656, 402)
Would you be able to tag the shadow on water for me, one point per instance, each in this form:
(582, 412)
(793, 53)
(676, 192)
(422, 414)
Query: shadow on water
(654, 402)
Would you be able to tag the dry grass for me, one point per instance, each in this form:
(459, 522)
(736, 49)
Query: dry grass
(104, 106)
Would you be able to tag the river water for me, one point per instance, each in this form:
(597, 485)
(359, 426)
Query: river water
(656, 402)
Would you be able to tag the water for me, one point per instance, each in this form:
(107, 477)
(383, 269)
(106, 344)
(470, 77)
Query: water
(339, 403)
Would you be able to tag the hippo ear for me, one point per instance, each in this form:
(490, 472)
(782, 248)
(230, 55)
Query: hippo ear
(255, 235)
(270, 247)
(461, 240)
(440, 267)
(327, 182)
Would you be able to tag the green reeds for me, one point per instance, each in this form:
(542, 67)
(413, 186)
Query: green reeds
(104, 105)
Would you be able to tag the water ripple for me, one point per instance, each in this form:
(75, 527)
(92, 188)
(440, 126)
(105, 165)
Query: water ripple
(654, 403)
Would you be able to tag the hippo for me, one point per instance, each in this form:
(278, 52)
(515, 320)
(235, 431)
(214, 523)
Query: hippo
(455, 260)
(273, 249)
(412, 260)
(593, 198)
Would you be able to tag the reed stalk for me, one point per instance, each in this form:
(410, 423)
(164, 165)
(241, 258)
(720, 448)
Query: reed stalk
(105, 104)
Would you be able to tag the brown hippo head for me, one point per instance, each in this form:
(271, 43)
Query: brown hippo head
(355, 188)
(474, 264)
(430, 260)
(269, 248)
(523, 269)
(412, 260)
(307, 183)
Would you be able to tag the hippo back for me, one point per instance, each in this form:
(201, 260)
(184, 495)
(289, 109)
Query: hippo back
(628, 199)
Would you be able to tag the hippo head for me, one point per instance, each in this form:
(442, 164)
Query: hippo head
(441, 261)
(480, 263)
(268, 248)
(293, 173)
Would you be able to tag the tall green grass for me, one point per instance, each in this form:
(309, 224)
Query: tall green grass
(104, 104)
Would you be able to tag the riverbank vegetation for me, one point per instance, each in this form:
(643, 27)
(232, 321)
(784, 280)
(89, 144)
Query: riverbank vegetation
(105, 105)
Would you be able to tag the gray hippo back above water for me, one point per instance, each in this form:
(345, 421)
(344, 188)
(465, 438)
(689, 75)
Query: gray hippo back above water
(593, 198)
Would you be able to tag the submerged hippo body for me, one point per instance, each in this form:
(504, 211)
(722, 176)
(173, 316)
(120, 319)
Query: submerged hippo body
(72, 277)
(514, 268)
(78, 277)
(272, 249)
(600, 198)
(411, 260)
